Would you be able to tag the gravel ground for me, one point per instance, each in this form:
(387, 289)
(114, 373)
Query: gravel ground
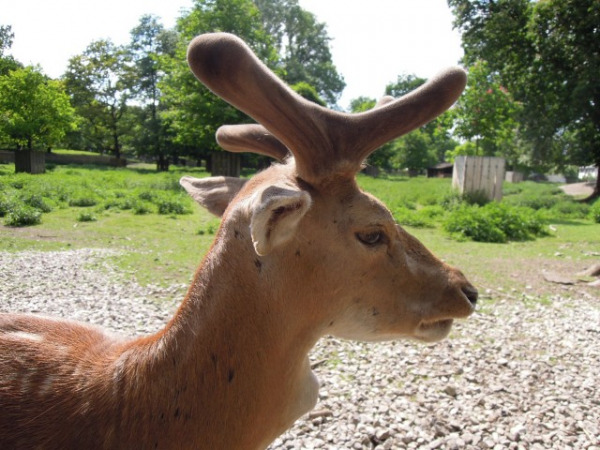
(522, 373)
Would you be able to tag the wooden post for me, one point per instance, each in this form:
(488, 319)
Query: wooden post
(483, 174)
(513, 176)
(226, 164)
(30, 161)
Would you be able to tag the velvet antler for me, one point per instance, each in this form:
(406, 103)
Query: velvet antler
(251, 137)
(323, 142)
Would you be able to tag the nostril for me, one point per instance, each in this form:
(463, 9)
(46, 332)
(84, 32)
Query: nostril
(471, 294)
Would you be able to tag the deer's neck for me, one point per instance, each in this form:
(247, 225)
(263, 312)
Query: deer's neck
(231, 361)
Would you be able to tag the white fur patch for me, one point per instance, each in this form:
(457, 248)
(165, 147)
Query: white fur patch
(46, 386)
(24, 336)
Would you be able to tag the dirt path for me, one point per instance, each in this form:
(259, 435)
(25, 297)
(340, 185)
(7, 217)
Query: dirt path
(578, 189)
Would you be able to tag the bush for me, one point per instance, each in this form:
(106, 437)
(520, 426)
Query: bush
(147, 195)
(37, 202)
(172, 207)
(86, 217)
(141, 208)
(7, 203)
(494, 222)
(23, 215)
(570, 209)
(83, 201)
(595, 211)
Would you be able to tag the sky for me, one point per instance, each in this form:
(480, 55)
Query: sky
(373, 41)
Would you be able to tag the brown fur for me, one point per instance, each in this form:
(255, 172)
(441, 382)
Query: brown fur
(292, 261)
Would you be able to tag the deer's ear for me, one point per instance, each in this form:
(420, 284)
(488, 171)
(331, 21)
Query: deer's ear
(213, 193)
(276, 212)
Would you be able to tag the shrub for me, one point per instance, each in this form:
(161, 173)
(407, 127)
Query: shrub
(23, 215)
(7, 203)
(141, 208)
(471, 223)
(37, 202)
(126, 203)
(494, 222)
(86, 217)
(147, 195)
(172, 207)
(570, 208)
(83, 201)
(595, 211)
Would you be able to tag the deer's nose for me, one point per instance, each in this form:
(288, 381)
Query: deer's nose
(471, 294)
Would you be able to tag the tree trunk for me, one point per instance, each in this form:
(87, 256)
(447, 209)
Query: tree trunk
(596, 192)
(162, 163)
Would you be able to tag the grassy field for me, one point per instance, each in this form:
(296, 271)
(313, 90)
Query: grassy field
(163, 235)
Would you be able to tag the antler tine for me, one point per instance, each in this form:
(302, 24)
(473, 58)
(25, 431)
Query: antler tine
(227, 66)
(392, 119)
(251, 138)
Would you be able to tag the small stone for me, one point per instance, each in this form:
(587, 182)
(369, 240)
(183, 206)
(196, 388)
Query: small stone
(451, 391)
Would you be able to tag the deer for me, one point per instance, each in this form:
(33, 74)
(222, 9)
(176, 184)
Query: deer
(301, 253)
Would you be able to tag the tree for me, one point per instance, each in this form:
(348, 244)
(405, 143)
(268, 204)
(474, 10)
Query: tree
(308, 92)
(545, 53)
(192, 113)
(487, 115)
(7, 62)
(414, 152)
(303, 44)
(35, 111)
(97, 81)
(422, 147)
(428, 144)
(150, 43)
(565, 35)
(382, 157)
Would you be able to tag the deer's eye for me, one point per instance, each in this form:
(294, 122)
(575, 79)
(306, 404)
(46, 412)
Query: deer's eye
(371, 238)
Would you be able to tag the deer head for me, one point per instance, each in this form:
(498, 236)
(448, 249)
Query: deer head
(331, 250)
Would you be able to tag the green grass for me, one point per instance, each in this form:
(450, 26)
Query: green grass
(166, 248)
(61, 151)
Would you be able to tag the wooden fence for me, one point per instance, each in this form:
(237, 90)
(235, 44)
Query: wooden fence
(8, 156)
(226, 164)
(479, 174)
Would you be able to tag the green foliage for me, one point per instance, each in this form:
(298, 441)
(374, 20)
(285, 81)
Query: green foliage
(35, 112)
(487, 115)
(303, 45)
(21, 215)
(6, 203)
(142, 208)
(494, 222)
(417, 150)
(37, 201)
(545, 53)
(595, 211)
(168, 206)
(98, 84)
(86, 217)
(191, 112)
(308, 92)
(114, 190)
(7, 62)
(413, 151)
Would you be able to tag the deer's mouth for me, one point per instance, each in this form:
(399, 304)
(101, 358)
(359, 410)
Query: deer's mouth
(432, 331)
